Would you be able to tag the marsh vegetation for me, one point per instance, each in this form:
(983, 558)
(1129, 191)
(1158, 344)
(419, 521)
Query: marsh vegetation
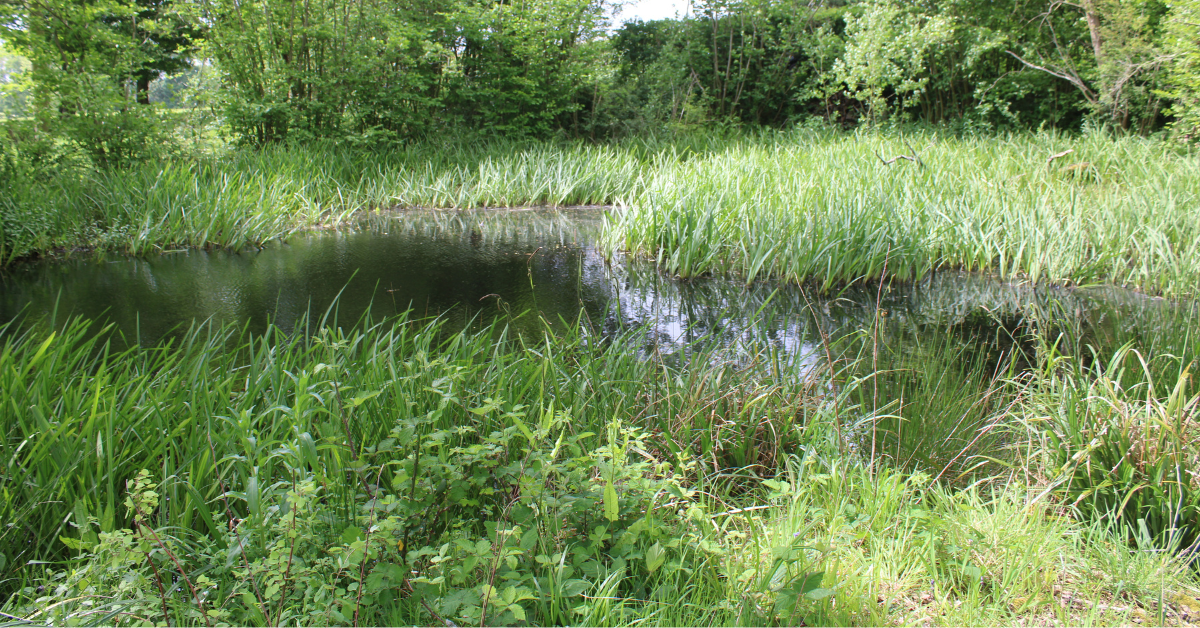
(881, 455)
(846, 312)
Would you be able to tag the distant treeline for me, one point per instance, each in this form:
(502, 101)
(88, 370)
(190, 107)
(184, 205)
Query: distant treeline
(387, 70)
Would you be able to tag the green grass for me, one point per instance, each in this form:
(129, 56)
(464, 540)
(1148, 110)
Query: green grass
(806, 206)
(80, 419)
(826, 209)
(398, 473)
(273, 476)
(247, 197)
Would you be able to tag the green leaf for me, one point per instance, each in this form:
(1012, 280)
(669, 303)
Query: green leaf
(529, 539)
(574, 587)
(811, 582)
(252, 606)
(611, 504)
(517, 611)
(351, 534)
(818, 594)
(309, 448)
(972, 572)
(524, 430)
(785, 602)
(252, 496)
(655, 557)
(358, 400)
(487, 593)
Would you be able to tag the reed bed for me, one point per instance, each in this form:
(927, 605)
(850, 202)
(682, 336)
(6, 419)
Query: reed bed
(247, 197)
(830, 210)
(801, 205)
(391, 473)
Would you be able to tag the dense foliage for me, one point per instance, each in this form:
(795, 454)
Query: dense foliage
(393, 474)
(398, 473)
(375, 71)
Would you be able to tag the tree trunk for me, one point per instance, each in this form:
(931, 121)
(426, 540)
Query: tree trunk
(143, 90)
(1093, 22)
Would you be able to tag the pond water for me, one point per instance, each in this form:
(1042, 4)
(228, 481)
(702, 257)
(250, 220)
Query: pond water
(472, 267)
(523, 267)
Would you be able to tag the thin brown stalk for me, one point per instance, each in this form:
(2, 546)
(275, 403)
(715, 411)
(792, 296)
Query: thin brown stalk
(287, 583)
(178, 568)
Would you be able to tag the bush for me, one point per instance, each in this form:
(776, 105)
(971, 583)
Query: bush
(429, 525)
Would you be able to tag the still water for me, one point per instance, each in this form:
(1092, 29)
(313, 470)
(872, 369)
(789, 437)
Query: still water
(935, 347)
(523, 267)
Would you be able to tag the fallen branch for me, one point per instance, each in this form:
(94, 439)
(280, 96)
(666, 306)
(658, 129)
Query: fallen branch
(914, 157)
(888, 162)
(1057, 155)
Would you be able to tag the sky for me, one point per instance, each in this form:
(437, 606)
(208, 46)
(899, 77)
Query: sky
(646, 10)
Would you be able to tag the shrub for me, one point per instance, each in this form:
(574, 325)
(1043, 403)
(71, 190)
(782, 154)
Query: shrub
(430, 525)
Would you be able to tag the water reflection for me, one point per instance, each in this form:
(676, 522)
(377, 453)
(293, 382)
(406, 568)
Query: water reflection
(931, 351)
(472, 267)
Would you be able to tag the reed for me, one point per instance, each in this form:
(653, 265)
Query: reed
(828, 209)
(81, 419)
(801, 205)
(247, 469)
(1122, 444)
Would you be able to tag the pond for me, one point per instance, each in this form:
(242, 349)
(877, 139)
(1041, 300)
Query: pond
(539, 269)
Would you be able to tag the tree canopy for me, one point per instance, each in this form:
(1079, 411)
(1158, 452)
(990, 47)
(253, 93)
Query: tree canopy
(391, 70)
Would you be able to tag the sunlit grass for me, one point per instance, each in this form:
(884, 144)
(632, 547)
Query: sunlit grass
(805, 206)
(800, 518)
(827, 209)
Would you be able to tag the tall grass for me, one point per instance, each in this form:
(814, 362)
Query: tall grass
(224, 444)
(1123, 444)
(828, 209)
(81, 419)
(800, 205)
(247, 197)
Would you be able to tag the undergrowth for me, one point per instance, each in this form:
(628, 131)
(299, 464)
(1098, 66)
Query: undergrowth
(392, 474)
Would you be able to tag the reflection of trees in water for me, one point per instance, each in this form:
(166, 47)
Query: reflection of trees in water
(937, 343)
(476, 266)
(976, 309)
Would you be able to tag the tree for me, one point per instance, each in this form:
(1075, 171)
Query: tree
(90, 62)
(321, 68)
(749, 61)
(13, 92)
(887, 51)
(1183, 43)
(165, 37)
(1109, 50)
(519, 66)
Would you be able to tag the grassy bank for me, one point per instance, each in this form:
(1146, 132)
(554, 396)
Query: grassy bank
(395, 475)
(830, 210)
(816, 206)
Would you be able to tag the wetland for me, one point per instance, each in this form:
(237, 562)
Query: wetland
(572, 414)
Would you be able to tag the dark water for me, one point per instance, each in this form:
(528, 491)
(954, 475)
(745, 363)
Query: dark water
(938, 344)
(474, 267)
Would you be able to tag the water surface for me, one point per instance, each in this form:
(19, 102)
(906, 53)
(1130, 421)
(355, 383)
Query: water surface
(537, 269)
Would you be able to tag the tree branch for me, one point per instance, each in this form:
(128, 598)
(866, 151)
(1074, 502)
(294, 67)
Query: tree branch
(1071, 78)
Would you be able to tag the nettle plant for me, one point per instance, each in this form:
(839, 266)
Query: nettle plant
(434, 524)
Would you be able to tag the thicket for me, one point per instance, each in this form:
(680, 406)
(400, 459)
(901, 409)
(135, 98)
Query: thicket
(370, 72)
